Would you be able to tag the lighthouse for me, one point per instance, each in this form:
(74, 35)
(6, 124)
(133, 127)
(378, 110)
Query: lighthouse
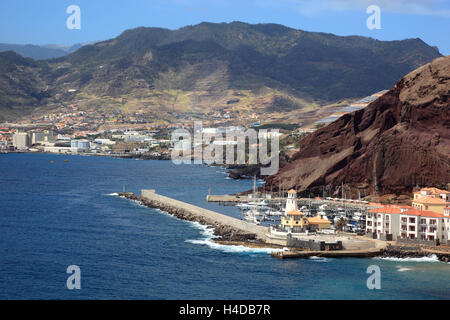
(291, 202)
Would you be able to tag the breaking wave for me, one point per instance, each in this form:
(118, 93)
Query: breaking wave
(208, 234)
(319, 259)
(431, 258)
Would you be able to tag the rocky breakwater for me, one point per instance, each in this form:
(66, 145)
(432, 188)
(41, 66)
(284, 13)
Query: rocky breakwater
(223, 231)
(403, 252)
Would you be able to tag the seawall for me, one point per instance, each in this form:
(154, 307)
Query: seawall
(228, 228)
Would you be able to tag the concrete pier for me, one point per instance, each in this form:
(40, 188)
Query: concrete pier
(237, 231)
(206, 216)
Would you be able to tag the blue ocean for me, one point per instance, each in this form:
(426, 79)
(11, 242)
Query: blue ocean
(53, 215)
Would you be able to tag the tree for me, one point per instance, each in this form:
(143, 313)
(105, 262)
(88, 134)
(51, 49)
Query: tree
(341, 224)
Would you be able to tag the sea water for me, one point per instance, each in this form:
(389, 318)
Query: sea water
(54, 215)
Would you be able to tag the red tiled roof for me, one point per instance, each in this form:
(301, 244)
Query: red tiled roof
(294, 213)
(401, 207)
(422, 213)
(386, 210)
(430, 200)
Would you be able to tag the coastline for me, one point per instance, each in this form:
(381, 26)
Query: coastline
(225, 234)
(231, 236)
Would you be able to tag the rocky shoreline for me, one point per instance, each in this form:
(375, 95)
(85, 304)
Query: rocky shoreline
(403, 252)
(224, 232)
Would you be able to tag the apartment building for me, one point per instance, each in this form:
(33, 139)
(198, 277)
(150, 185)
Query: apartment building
(21, 140)
(384, 222)
(392, 223)
(423, 225)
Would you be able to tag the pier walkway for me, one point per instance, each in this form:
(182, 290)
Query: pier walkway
(211, 217)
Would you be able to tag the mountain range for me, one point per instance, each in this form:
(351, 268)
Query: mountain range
(398, 142)
(40, 52)
(268, 68)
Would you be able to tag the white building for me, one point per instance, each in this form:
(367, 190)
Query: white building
(64, 150)
(3, 145)
(423, 225)
(21, 140)
(141, 138)
(291, 202)
(394, 223)
(107, 142)
(80, 145)
(383, 222)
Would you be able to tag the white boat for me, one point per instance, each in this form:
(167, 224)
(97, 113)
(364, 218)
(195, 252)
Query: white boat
(253, 216)
(274, 213)
(251, 219)
(244, 205)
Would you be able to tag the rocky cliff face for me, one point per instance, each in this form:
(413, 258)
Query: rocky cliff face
(397, 142)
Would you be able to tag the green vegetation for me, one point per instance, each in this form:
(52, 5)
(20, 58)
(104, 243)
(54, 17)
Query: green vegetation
(212, 61)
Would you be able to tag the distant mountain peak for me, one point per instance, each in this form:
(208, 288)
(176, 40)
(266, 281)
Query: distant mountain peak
(209, 63)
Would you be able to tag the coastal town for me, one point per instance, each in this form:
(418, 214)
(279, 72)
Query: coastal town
(300, 223)
(425, 222)
(116, 133)
(328, 227)
(210, 154)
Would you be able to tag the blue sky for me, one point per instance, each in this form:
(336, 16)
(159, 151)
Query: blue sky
(44, 21)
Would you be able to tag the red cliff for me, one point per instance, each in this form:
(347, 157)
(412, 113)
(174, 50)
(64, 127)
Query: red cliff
(400, 140)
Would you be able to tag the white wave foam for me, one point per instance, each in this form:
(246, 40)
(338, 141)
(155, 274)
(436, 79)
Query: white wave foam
(112, 194)
(404, 269)
(431, 258)
(208, 234)
(319, 259)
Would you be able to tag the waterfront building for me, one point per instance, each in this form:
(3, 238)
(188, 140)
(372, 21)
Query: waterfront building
(295, 221)
(291, 202)
(3, 145)
(80, 145)
(392, 223)
(21, 140)
(447, 223)
(384, 222)
(422, 225)
(318, 223)
(64, 150)
(432, 199)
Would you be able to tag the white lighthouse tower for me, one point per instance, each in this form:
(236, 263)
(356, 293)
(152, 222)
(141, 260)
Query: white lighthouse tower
(291, 202)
